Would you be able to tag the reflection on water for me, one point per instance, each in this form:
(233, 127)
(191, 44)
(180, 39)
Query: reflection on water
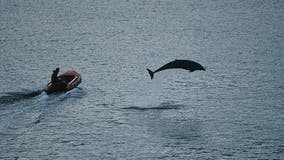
(162, 106)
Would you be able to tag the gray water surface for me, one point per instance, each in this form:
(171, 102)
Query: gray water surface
(234, 110)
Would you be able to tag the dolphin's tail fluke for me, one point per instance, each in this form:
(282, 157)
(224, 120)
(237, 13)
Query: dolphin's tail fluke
(151, 73)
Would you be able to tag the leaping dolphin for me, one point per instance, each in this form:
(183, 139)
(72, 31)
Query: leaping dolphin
(182, 64)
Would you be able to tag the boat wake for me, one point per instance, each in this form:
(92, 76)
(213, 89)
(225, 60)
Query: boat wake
(8, 98)
(12, 97)
(24, 109)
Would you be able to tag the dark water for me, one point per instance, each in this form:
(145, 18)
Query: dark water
(234, 110)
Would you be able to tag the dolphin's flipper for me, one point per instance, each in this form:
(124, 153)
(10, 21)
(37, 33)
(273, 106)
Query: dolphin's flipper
(151, 73)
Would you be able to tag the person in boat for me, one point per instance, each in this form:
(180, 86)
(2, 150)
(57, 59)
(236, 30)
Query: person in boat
(57, 82)
(54, 78)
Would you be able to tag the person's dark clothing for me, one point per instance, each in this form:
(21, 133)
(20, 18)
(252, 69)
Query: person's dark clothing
(54, 78)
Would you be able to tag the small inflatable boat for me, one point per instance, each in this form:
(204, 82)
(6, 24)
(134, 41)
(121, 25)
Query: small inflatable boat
(66, 82)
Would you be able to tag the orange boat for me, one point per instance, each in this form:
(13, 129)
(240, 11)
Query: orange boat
(67, 81)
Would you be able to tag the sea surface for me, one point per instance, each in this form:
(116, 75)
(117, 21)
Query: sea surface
(233, 110)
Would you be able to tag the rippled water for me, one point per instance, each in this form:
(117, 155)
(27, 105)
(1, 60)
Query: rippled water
(234, 110)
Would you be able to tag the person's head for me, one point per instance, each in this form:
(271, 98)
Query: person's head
(56, 70)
